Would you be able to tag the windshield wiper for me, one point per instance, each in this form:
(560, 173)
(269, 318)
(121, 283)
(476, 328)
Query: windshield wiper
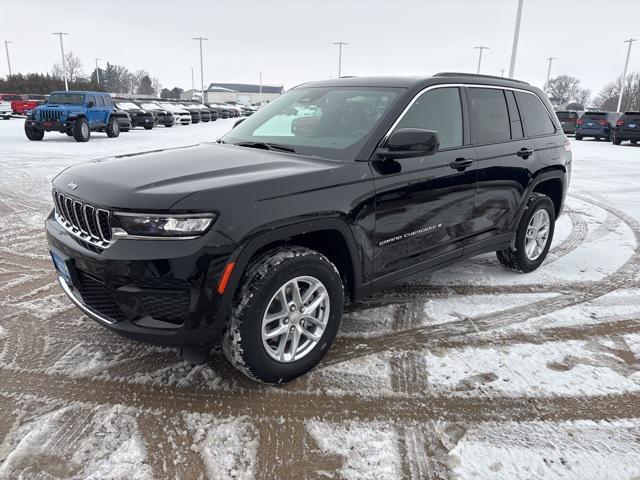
(267, 146)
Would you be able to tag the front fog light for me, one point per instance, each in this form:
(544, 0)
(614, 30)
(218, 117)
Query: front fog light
(166, 226)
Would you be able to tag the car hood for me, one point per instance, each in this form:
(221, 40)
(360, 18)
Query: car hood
(157, 180)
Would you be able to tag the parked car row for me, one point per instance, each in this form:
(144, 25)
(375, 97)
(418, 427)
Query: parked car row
(20, 104)
(78, 113)
(609, 126)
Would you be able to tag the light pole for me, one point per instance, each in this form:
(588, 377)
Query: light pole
(6, 47)
(98, 71)
(200, 39)
(64, 65)
(480, 48)
(502, 72)
(260, 88)
(340, 44)
(624, 73)
(546, 84)
(193, 83)
(516, 35)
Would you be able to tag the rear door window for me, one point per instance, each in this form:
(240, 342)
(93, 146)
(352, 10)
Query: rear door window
(99, 101)
(489, 115)
(90, 99)
(439, 110)
(535, 116)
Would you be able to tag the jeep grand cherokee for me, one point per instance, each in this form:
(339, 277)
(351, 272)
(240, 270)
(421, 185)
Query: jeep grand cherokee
(333, 190)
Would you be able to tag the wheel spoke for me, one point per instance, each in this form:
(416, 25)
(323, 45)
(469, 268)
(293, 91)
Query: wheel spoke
(316, 302)
(276, 331)
(295, 293)
(314, 337)
(281, 346)
(272, 317)
(295, 341)
(312, 289)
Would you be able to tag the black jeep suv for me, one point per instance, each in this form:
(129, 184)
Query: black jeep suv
(333, 190)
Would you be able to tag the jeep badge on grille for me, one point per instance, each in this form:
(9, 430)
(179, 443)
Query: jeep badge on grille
(72, 185)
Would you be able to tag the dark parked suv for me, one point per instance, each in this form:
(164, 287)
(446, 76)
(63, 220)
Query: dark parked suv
(627, 128)
(261, 238)
(598, 125)
(568, 120)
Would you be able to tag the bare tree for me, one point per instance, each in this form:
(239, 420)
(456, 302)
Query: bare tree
(156, 85)
(607, 99)
(567, 89)
(73, 65)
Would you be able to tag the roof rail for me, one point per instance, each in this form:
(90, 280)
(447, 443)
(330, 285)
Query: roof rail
(477, 75)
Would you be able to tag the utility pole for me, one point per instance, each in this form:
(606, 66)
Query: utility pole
(502, 72)
(516, 36)
(193, 83)
(624, 73)
(480, 48)
(260, 88)
(64, 64)
(98, 71)
(340, 44)
(546, 84)
(201, 39)
(6, 47)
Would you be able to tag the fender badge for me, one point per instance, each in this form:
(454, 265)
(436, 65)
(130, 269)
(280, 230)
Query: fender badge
(72, 185)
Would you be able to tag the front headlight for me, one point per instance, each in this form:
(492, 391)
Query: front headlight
(180, 226)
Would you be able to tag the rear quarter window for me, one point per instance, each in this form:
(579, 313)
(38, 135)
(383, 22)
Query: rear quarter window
(535, 116)
(489, 115)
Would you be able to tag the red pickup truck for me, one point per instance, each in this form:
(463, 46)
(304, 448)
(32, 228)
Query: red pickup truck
(20, 103)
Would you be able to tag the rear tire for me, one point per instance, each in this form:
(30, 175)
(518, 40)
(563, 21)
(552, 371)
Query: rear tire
(517, 257)
(579, 137)
(113, 128)
(169, 125)
(125, 130)
(617, 141)
(34, 134)
(148, 127)
(81, 131)
(246, 341)
(635, 142)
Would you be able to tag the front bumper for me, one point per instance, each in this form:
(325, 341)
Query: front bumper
(155, 291)
(50, 125)
(142, 121)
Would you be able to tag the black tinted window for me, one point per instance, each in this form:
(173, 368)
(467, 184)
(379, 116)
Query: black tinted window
(439, 110)
(489, 115)
(535, 116)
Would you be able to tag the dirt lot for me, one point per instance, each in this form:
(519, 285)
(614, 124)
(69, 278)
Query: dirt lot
(473, 372)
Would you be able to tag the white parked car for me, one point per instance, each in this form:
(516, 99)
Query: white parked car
(5, 110)
(181, 116)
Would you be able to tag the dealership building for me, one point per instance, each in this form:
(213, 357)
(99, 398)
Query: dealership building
(244, 93)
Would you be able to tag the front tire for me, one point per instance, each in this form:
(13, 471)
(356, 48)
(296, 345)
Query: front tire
(579, 137)
(616, 140)
(81, 131)
(34, 134)
(113, 128)
(533, 236)
(285, 316)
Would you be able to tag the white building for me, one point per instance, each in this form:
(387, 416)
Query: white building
(244, 93)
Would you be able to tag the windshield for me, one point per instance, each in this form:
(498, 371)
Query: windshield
(151, 106)
(127, 106)
(329, 122)
(66, 98)
(170, 107)
(11, 98)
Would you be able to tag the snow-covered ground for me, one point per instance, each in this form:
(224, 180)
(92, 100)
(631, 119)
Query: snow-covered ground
(470, 373)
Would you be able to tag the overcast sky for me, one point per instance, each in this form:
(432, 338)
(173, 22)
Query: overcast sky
(290, 41)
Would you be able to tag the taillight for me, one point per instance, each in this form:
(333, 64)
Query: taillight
(620, 123)
(579, 121)
(603, 122)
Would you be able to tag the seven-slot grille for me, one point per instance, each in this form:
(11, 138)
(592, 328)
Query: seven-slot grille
(85, 221)
(49, 114)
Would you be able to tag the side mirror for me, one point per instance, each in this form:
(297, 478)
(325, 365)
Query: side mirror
(305, 126)
(238, 122)
(91, 104)
(410, 142)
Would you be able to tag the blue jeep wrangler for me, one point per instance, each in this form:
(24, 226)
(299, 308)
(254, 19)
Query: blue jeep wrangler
(75, 113)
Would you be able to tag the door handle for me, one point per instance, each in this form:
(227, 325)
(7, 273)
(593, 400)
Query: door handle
(525, 153)
(461, 164)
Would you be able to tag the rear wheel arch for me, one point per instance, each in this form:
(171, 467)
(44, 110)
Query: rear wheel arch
(554, 189)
